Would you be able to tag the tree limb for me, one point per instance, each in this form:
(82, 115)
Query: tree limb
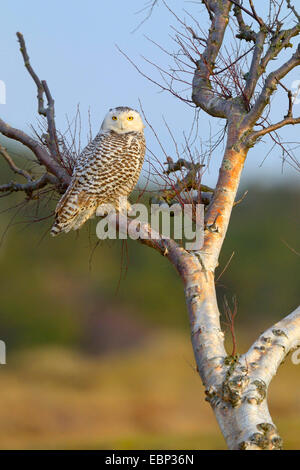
(253, 14)
(12, 164)
(269, 87)
(42, 88)
(293, 9)
(279, 41)
(245, 32)
(255, 72)
(266, 130)
(43, 157)
(250, 425)
(31, 186)
(202, 94)
(39, 85)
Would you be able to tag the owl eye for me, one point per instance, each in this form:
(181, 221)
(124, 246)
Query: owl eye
(130, 118)
(114, 118)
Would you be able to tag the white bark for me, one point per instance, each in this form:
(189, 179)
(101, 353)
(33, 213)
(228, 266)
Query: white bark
(237, 387)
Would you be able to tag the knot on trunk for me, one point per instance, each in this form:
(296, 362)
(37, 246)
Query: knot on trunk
(267, 439)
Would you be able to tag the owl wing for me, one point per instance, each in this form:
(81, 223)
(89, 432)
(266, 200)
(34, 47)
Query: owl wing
(107, 168)
(81, 167)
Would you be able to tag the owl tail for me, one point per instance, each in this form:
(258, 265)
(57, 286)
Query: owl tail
(67, 222)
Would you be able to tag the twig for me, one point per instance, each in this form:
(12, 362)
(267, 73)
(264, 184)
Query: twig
(37, 81)
(31, 186)
(291, 7)
(253, 14)
(42, 88)
(12, 164)
(181, 163)
(290, 98)
(230, 315)
(291, 248)
(241, 199)
(226, 266)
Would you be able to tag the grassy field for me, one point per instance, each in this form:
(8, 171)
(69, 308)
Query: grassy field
(146, 398)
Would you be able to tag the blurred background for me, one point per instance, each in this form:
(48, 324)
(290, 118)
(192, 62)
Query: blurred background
(97, 334)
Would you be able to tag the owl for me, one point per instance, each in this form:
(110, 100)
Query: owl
(106, 170)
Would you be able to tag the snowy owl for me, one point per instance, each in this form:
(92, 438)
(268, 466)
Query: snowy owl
(107, 169)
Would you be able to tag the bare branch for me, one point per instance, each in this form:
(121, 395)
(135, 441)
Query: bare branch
(40, 151)
(291, 248)
(291, 7)
(279, 41)
(236, 203)
(246, 385)
(266, 130)
(31, 186)
(258, 18)
(203, 95)
(50, 114)
(268, 352)
(252, 13)
(13, 166)
(149, 237)
(230, 314)
(39, 85)
(255, 72)
(269, 87)
(210, 14)
(245, 32)
(290, 98)
(42, 88)
(150, 7)
(179, 164)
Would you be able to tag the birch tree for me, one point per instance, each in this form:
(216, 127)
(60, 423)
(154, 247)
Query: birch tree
(235, 386)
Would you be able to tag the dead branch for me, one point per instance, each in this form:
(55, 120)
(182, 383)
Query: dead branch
(185, 183)
(42, 88)
(293, 9)
(41, 153)
(230, 314)
(253, 14)
(280, 40)
(181, 163)
(202, 94)
(289, 120)
(13, 166)
(31, 186)
(255, 72)
(245, 32)
(290, 98)
(236, 203)
(269, 87)
(39, 85)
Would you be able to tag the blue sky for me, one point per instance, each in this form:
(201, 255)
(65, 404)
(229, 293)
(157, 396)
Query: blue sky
(72, 44)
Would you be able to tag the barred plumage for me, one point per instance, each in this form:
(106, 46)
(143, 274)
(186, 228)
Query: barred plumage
(108, 168)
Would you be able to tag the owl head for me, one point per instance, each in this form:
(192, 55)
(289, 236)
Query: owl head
(122, 120)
